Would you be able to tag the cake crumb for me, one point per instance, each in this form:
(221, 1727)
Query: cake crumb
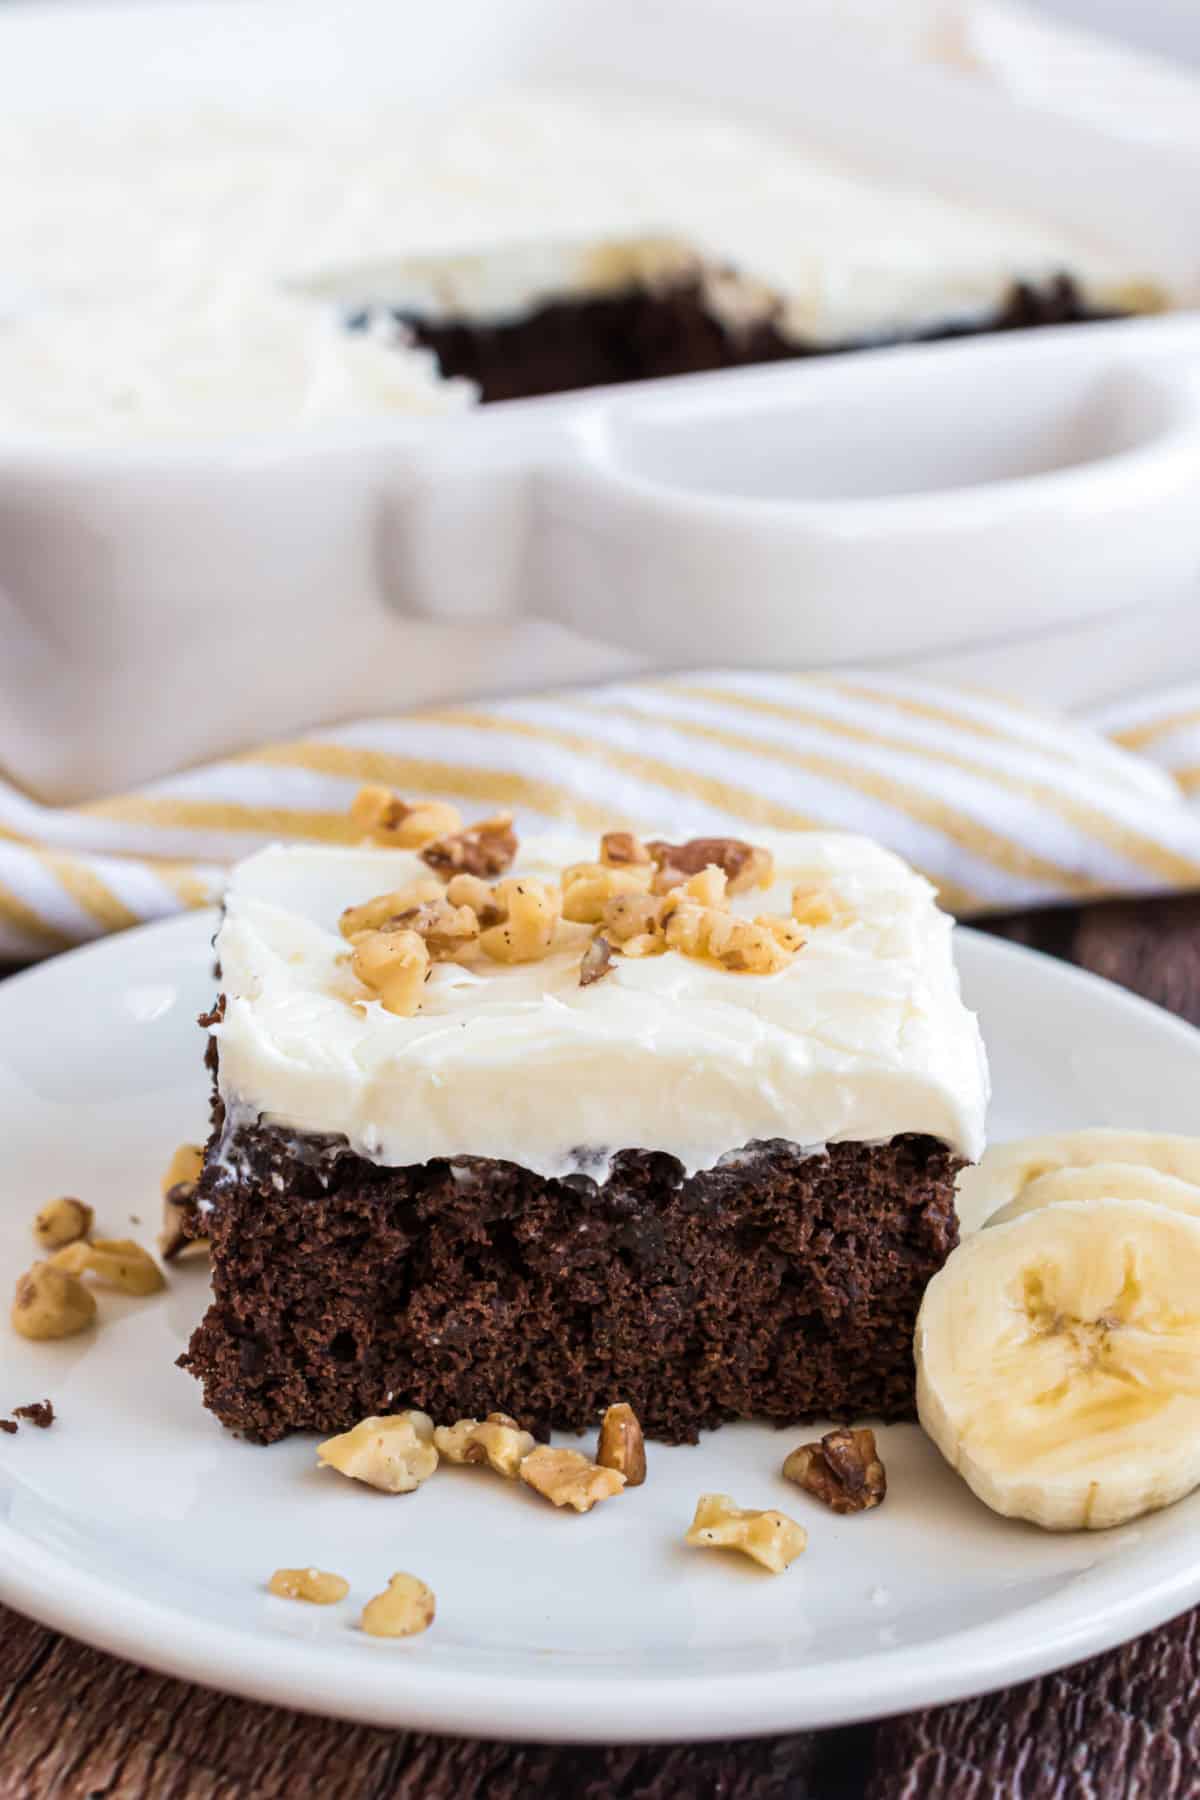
(8, 1425)
(38, 1412)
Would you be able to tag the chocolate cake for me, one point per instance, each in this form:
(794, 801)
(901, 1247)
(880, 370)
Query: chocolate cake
(676, 1124)
(644, 332)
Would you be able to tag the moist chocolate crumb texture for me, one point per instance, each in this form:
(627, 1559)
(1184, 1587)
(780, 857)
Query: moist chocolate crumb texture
(674, 1123)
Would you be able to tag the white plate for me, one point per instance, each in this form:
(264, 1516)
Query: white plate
(138, 1524)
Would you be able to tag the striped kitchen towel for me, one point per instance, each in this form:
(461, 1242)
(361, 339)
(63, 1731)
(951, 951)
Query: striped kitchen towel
(999, 805)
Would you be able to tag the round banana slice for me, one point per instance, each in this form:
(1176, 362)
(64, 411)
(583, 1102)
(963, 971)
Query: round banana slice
(1103, 1181)
(1008, 1169)
(1058, 1362)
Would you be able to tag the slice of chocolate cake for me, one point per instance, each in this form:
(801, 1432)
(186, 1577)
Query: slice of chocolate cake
(532, 1128)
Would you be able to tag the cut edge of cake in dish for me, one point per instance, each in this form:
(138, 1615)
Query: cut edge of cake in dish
(408, 1194)
(522, 321)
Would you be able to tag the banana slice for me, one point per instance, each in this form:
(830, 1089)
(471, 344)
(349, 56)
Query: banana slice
(1007, 1169)
(1103, 1181)
(1058, 1362)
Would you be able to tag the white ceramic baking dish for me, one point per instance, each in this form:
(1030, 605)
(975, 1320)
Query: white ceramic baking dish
(978, 507)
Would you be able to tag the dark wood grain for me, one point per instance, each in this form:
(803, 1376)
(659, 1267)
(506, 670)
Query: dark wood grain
(75, 1723)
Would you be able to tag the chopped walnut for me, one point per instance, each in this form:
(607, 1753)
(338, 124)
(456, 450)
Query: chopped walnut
(469, 890)
(710, 887)
(738, 944)
(485, 849)
(743, 865)
(597, 961)
(531, 914)
(618, 849)
(177, 1232)
(394, 964)
(394, 1453)
(38, 1412)
(789, 935)
(819, 906)
(622, 1446)
(449, 932)
(184, 1168)
(317, 1586)
(567, 1478)
(386, 819)
(51, 1303)
(843, 1470)
(117, 1262)
(385, 909)
(405, 1608)
(497, 1441)
(587, 889)
(61, 1222)
(770, 1538)
(633, 922)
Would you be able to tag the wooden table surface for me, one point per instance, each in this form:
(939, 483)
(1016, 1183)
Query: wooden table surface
(75, 1723)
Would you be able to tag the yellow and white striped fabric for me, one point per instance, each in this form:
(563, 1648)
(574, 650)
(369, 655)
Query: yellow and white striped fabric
(999, 805)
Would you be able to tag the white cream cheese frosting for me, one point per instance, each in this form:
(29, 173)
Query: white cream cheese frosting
(864, 1035)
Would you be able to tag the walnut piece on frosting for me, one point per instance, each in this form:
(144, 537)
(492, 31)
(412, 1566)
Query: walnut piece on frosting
(597, 961)
(394, 964)
(449, 932)
(385, 909)
(396, 824)
(819, 906)
(621, 850)
(587, 889)
(485, 849)
(742, 945)
(744, 865)
(472, 891)
(531, 912)
(769, 1538)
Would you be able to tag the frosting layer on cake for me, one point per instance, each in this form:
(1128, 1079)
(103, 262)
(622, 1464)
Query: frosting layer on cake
(863, 1036)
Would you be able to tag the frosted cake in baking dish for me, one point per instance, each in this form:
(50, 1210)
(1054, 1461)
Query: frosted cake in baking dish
(532, 243)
